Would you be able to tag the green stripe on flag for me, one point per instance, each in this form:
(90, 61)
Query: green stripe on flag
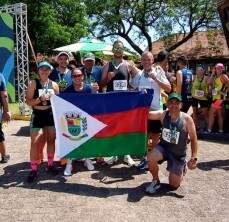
(122, 144)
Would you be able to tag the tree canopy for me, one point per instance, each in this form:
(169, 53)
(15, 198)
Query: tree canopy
(143, 20)
(55, 23)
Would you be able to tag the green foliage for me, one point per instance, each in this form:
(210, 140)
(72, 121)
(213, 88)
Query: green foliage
(53, 24)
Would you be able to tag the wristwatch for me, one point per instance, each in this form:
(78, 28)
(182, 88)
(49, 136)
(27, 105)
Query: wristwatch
(194, 158)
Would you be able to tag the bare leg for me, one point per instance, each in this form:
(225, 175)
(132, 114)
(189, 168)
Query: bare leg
(155, 138)
(175, 180)
(220, 119)
(211, 118)
(206, 114)
(3, 148)
(153, 157)
(194, 116)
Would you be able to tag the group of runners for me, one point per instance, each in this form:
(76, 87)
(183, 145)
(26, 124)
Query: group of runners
(170, 128)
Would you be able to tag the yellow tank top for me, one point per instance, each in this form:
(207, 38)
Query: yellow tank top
(199, 88)
(216, 89)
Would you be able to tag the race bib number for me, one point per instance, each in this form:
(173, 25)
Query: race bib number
(46, 92)
(120, 85)
(199, 93)
(170, 137)
(214, 92)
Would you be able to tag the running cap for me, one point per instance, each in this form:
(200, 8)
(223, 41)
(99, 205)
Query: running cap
(175, 96)
(62, 53)
(220, 65)
(89, 56)
(45, 64)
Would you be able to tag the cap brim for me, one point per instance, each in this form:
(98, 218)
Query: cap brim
(89, 59)
(49, 67)
(62, 53)
(174, 97)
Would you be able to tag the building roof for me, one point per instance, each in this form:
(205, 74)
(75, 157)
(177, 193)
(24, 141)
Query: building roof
(203, 45)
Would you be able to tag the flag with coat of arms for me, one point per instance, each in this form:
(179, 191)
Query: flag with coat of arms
(106, 124)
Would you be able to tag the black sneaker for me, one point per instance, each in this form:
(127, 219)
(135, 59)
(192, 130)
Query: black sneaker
(32, 176)
(52, 170)
(5, 158)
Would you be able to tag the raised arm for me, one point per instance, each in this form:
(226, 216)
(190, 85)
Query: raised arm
(104, 79)
(179, 79)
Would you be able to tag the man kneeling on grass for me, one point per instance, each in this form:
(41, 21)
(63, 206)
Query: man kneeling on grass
(176, 127)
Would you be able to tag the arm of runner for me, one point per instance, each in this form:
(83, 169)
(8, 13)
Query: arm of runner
(179, 82)
(193, 139)
(162, 81)
(156, 115)
(30, 93)
(6, 116)
(55, 88)
(224, 79)
(134, 80)
(104, 79)
(132, 69)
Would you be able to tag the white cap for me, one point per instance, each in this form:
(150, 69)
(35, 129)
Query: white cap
(62, 53)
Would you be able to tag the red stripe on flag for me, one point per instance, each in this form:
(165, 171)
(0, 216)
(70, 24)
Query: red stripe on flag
(123, 122)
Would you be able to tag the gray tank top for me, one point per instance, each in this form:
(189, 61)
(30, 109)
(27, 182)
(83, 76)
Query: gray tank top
(174, 136)
(122, 74)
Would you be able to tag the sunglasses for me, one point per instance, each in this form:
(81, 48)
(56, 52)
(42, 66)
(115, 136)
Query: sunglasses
(118, 49)
(76, 76)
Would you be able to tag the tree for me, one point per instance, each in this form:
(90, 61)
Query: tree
(54, 23)
(135, 20)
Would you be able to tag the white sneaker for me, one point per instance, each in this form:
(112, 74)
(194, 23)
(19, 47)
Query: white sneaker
(153, 187)
(68, 168)
(112, 160)
(127, 159)
(88, 163)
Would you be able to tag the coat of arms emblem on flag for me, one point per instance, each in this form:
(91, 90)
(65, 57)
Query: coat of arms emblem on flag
(74, 125)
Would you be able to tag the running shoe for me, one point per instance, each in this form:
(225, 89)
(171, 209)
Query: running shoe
(32, 176)
(5, 158)
(88, 163)
(153, 187)
(52, 170)
(127, 159)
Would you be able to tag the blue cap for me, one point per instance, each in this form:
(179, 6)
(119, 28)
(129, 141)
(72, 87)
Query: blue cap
(45, 64)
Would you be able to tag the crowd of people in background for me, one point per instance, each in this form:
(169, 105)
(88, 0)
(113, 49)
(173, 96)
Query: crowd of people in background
(175, 92)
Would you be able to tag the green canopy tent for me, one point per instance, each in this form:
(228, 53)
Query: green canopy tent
(86, 45)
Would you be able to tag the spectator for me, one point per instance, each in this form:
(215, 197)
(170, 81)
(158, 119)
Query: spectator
(184, 81)
(5, 117)
(217, 80)
(200, 95)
